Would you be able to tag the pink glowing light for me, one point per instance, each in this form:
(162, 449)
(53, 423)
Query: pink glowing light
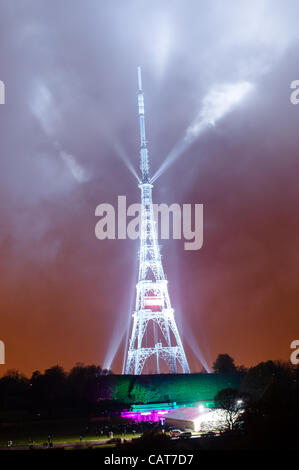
(153, 301)
(152, 415)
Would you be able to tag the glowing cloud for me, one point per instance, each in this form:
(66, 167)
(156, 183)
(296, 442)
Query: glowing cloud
(78, 172)
(216, 104)
(43, 107)
(219, 101)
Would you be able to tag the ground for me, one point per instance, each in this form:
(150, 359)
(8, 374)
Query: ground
(60, 431)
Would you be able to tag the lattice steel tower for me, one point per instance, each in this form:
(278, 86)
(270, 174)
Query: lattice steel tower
(154, 332)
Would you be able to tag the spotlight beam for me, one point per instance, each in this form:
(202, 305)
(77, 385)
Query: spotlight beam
(218, 102)
(120, 152)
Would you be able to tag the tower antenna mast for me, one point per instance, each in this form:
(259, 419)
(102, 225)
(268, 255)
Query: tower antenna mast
(144, 166)
(154, 332)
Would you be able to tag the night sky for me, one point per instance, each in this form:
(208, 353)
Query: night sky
(69, 70)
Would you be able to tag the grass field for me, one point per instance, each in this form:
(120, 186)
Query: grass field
(66, 431)
(62, 439)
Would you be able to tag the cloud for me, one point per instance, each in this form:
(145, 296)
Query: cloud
(43, 107)
(219, 101)
(79, 173)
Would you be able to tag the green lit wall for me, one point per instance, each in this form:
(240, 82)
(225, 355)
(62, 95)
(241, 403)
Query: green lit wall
(180, 388)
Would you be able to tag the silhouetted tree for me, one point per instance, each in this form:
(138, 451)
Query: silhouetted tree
(82, 383)
(258, 378)
(14, 390)
(56, 390)
(224, 364)
(49, 389)
(271, 416)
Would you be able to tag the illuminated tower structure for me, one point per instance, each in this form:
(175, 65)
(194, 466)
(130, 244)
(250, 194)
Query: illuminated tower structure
(154, 334)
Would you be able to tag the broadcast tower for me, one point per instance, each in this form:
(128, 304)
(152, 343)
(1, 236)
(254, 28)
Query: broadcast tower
(155, 335)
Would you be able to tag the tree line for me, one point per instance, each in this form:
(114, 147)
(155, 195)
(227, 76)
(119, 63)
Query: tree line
(270, 391)
(54, 390)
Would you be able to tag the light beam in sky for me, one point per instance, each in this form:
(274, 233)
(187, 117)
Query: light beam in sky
(219, 101)
(122, 327)
(124, 157)
(161, 41)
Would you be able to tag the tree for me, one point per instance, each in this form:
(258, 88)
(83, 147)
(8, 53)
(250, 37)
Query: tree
(49, 389)
(224, 364)
(231, 401)
(14, 390)
(260, 377)
(83, 383)
(271, 416)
